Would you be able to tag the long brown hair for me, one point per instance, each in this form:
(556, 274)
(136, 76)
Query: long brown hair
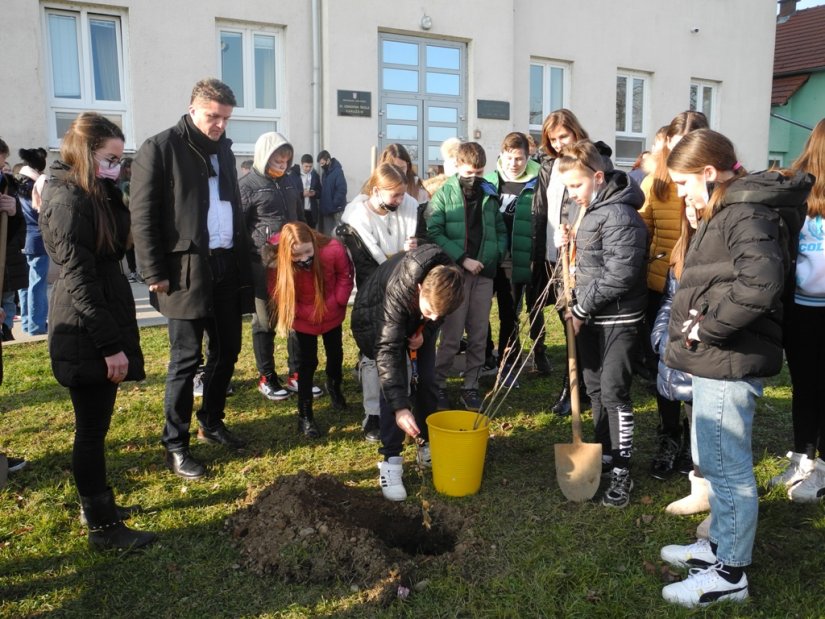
(706, 147)
(682, 124)
(397, 151)
(679, 251)
(283, 294)
(86, 134)
(812, 160)
(561, 118)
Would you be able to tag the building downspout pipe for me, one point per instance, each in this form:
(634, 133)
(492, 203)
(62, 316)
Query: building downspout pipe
(316, 77)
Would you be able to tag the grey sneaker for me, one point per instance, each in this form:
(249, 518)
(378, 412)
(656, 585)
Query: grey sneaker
(470, 399)
(618, 492)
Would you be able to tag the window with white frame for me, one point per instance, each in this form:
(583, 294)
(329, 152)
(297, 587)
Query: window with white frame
(251, 64)
(632, 105)
(86, 68)
(549, 88)
(703, 99)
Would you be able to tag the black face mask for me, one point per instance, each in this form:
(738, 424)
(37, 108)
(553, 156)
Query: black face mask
(468, 184)
(305, 264)
(390, 208)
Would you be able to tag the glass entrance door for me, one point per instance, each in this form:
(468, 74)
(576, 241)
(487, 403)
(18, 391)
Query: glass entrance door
(423, 100)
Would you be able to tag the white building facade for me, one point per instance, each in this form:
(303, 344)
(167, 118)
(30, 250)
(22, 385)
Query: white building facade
(350, 75)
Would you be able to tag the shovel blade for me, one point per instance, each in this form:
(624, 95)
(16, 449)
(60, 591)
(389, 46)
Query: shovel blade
(578, 470)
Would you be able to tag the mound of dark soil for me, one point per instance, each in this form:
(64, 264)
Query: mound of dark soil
(316, 529)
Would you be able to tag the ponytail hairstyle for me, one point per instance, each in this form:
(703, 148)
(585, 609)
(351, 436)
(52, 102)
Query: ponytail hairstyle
(86, 134)
(561, 118)
(583, 156)
(679, 251)
(702, 148)
(397, 151)
(812, 160)
(682, 124)
(283, 293)
(387, 177)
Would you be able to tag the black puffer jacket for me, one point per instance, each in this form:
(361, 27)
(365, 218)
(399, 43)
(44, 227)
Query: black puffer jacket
(611, 254)
(91, 310)
(386, 313)
(734, 275)
(542, 210)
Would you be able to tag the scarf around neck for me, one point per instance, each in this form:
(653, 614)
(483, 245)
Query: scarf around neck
(207, 148)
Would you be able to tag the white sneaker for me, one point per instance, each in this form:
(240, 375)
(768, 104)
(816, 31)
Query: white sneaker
(705, 586)
(791, 473)
(697, 554)
(812, 488)
(197, 384)
(423, 456)
(390, 474)
(703, 530)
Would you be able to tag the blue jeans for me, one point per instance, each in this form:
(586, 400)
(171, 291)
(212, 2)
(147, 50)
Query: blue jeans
(11, 308)
(34, 303)
(721, 440)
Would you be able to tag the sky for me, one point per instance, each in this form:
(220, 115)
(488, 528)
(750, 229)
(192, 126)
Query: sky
(806, 4)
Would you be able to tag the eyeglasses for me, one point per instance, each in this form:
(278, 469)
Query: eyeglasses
(110, 163)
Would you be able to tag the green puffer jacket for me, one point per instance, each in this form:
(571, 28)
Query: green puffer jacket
(521, 238)
(447, 225)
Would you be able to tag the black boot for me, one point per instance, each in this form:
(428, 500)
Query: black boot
(106, 529)
(337, 398)
(123, 512)
(541, 361)
(306, 422)
(562, 405)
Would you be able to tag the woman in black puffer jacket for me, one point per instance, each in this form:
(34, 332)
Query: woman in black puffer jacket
(726, 330)
(93, 338)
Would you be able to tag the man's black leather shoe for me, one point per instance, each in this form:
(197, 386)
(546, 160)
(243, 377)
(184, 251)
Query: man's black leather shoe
(222, 436)
(183, 464)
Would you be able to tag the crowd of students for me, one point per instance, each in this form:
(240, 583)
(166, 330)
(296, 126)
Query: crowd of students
(717, 270)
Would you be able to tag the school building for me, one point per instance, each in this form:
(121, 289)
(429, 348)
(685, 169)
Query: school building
(349, 75)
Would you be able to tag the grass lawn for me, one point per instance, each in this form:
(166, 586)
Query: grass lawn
(537, 556)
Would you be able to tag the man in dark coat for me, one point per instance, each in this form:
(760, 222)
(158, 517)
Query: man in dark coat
(192, 250)
(333, 193)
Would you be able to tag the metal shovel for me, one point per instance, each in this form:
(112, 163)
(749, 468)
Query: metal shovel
(578, 464)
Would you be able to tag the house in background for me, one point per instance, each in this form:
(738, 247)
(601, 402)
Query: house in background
(798, 96)
(349, 75)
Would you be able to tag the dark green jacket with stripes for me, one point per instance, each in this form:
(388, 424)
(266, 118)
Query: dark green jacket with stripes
(447, 225)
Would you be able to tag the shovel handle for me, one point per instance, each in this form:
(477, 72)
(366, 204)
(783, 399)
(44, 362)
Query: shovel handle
(572, 367)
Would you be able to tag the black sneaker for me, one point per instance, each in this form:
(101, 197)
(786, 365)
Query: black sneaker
(443, 403)
(270, 387)
(470, 399)
(663, 463)
(618, 493)
(372, 429)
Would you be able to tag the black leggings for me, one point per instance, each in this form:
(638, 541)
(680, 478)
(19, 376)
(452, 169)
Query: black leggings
(805, 350)
(93, 408)
(306, 352)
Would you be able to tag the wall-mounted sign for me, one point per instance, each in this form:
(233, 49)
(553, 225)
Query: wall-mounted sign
(354, 103)
(497, 110)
